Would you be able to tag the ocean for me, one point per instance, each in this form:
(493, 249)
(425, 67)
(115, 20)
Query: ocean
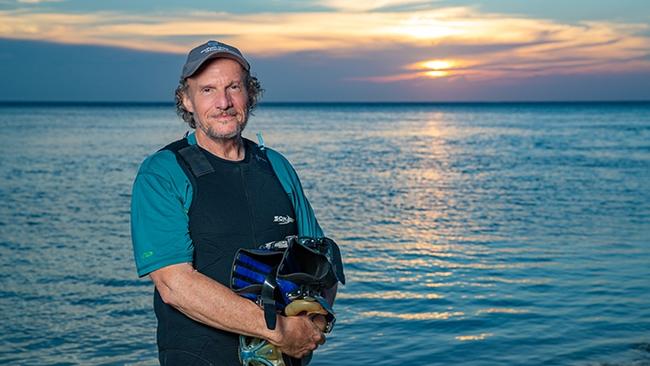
(472, 234)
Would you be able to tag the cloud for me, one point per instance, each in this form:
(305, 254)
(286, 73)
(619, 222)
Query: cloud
(370, 5)
(505, 46)
(38, 1)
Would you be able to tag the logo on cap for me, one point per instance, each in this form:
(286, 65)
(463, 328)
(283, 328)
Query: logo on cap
(214, 48)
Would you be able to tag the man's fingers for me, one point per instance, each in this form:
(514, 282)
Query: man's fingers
(305, 337)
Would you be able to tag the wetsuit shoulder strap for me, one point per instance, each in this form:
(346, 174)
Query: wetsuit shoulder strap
(191, 158)
(196, 160)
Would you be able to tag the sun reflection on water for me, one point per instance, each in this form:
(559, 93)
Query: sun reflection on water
(391, 295)
(478, 337)
(502, 311)
(413, 316)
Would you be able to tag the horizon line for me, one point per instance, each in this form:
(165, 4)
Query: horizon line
(283, 103)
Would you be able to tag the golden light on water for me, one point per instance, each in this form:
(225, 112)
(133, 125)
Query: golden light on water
(478, 337)
(413, 316)
(502, 311)
(390, 295)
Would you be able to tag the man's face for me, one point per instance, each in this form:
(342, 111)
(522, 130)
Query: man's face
(218, 99)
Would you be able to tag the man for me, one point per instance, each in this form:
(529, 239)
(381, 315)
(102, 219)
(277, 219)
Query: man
(200, 199)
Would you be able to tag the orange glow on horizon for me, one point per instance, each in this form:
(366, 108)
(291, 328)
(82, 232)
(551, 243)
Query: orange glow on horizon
(476, 45)
(437, 64)
(436, 73)
(435, 68)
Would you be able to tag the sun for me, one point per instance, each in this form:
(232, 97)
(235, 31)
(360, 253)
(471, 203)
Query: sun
(436, 73)
(437, 64)
(435, 68)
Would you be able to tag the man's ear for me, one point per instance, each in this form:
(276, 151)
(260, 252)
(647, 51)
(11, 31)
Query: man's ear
(187, 103)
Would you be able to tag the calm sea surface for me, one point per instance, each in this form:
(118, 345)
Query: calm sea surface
(506, 234)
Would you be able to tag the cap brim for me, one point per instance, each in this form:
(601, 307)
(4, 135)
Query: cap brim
(194, 67)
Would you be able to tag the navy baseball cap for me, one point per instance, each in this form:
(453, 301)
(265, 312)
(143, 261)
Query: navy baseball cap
(209, 50)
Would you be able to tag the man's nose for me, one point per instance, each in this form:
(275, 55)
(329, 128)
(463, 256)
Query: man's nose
(223, 100)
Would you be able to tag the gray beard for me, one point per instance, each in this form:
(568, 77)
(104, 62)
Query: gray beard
(210, 132)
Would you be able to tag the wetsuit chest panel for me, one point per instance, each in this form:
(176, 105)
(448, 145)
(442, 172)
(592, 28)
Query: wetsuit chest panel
(234, 205)
(239, 205)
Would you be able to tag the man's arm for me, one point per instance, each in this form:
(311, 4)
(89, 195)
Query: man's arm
(209, 302)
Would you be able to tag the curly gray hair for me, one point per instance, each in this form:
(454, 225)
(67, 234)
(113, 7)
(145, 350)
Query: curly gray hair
(253, 88)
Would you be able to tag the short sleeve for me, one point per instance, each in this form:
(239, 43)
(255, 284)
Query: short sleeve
(159, 223)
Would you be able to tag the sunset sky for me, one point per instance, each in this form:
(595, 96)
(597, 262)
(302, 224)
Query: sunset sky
(332, 50)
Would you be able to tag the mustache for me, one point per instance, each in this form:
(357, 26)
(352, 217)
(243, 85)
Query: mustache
(227, 112)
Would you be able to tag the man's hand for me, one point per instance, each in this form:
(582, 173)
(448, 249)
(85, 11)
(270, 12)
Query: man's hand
(298, 335)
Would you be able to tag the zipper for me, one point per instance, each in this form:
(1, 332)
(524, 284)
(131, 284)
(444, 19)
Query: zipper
(250, 206)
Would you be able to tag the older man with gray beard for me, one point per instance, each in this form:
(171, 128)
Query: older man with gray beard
(200, 199)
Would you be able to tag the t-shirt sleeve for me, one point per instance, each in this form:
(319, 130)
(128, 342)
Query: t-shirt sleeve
(159, 221)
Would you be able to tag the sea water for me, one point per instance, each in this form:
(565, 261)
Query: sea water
(472, 234)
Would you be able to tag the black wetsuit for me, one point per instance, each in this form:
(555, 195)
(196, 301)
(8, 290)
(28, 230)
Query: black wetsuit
(234, 205)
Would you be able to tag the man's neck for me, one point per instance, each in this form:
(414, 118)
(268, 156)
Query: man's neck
(229, 149)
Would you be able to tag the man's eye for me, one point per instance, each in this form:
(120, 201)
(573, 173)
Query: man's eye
(206, 90)
(235, 87)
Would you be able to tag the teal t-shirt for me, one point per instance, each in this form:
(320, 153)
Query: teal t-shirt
(160, 201)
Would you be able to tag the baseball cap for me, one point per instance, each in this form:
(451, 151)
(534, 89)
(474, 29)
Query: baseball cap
(209, 50)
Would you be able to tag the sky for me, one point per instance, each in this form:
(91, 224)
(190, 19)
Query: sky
(332, 50)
